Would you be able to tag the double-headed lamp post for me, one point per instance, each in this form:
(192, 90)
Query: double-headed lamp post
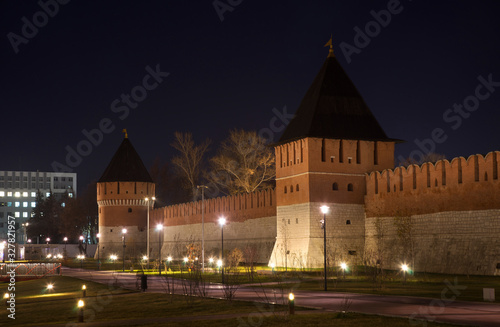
(159, 228)
(324, 210)
(124, 231)
(222, 222)
(147, 232)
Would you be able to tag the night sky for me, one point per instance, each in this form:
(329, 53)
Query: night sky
(216, 71)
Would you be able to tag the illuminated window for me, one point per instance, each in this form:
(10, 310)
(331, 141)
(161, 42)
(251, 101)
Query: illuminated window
(25, 194)
(17, 214)
(70, 195)
(9, 193)
(47, 194)
(25, 215)
(17, 204)
(17, 194)
(25, 204)
(33, 204)
(63, 205)
(33, 194)
(2, 193)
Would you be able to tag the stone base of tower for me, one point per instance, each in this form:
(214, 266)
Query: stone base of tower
(111, 242)
(300, 240)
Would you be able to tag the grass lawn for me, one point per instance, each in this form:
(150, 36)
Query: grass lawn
(36, 305)
(428, 285)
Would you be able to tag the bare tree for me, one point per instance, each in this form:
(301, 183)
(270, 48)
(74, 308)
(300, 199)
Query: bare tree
(244, 163)
(189, 160)
(250, 254)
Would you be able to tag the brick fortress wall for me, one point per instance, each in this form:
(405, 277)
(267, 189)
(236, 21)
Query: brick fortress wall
(450, 211)
(251, 221)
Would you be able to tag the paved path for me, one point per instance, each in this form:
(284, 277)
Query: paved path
(413, 308)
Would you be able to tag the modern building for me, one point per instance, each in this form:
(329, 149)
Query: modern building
(18, 190)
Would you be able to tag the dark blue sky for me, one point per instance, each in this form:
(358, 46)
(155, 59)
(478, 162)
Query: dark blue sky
(231, 73)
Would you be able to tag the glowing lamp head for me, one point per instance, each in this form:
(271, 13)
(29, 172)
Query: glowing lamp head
(47, 239)
(186, 259)
(144, 257)
(84, 287)
(404, 267)
(291, 297)
(272, 265)
(222, 221)
(124, 231)
(159, 227)
(29, 240)
(153, 198)
(81, 304)
(81, 238)
(113, 257)
(211, 260)
(6, 295)
(169, 259)
(325, 209)
(98, 235)
(50, 286)
(219, 263)
(65, 239)
(343, 265)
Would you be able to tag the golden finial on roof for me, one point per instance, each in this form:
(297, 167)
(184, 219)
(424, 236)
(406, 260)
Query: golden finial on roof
(125, 131)
(330, 43)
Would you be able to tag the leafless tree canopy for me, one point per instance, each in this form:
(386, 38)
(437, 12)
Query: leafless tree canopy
(189, 159)
(244, 163)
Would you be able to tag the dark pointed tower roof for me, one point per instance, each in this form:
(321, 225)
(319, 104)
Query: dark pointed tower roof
(126, 166)
(333, 108)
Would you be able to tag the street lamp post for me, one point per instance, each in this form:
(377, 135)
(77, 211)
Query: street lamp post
(81, 243)
(98, 236)
(203, 187)
(324, 210)
(147, 233)
(65, 239)
(222, 222)
(159, 228)
(25, 237)
(47, 240)
(29, 242)
(343, 265)
(405, 269)
(124, 231)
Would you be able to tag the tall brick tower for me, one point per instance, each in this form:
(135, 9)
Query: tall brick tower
(321, 159)
(121, 196)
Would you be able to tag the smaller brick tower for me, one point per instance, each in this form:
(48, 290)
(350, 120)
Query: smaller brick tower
(321, 159)
(121, 196)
